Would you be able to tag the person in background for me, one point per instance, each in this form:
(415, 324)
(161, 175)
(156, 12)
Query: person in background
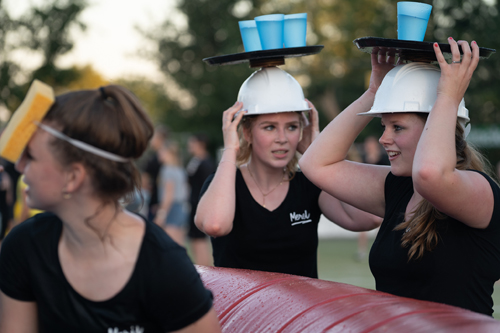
(374, 152)
(153, 166)
(87, 264)
(139, 203)
(199, 167)
(440, 238)
(6, 201)
(21, 209)
(172, 213)
(10, 177)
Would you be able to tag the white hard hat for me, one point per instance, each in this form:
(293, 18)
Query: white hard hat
(271, 90)
(411, 88)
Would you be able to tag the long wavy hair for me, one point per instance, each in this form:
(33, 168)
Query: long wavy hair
(245, 151)
(421, 230)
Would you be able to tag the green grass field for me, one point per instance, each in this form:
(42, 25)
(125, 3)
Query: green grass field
(336, 262)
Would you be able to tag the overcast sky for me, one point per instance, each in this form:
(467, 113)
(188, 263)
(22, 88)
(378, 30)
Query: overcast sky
(110, 42)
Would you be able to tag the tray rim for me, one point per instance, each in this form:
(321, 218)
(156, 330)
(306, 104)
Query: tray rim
(242, 57)
(363, 43)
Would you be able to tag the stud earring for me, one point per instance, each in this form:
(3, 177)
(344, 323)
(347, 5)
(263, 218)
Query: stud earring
(66, 195)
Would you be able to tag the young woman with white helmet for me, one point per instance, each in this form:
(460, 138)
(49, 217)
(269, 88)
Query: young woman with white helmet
(261, 212)
(440, 238)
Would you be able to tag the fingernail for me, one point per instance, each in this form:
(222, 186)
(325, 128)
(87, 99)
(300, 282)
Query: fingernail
(450, 38)
(474, 42)
(436, 45)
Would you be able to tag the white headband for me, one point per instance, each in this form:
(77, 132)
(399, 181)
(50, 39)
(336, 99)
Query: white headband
(83, 145)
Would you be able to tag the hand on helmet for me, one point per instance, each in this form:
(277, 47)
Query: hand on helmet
(230, 125)
(456, 76)
(382, 63)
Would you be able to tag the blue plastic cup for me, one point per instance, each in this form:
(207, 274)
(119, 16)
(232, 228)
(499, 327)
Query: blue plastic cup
(295, 29)
(250, 35)
(412, 20)
(270, 29)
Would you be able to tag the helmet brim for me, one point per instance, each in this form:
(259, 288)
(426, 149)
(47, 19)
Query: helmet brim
(273, 112)
(379, 113)
(269, 112)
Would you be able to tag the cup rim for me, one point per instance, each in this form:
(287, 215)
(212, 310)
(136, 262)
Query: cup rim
(416, 3)
(270, 17)
(415, 9)
(295, 16)
(247, 24)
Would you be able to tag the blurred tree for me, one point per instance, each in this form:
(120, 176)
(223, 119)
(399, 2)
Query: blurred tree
(332, 79)
(153, 97)
(10, 93)
(44, 31)
(204, 92)
(88, 78)
(47, 30)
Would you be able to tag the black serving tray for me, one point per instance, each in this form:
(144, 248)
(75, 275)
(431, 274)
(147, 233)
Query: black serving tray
(411, 50)
(264, 58)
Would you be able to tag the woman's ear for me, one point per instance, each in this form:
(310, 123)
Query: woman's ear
(75, 177)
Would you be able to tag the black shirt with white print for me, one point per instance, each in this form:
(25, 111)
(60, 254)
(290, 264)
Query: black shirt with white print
(284, 240)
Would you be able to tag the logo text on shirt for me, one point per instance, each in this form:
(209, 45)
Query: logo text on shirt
(133, 329)
(300, 218)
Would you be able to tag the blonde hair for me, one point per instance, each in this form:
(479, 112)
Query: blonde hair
(421, 230)
(245, 151)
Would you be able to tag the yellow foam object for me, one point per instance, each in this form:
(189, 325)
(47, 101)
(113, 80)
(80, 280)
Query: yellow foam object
(21, 126)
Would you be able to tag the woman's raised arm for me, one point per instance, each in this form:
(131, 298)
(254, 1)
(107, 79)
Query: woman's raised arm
(215, 212)
(347, 216)
(166, 202)
(342, 214)
(461, 194)
(357, 184)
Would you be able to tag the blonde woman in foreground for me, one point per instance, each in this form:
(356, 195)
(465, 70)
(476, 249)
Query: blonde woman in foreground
(261, 212)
